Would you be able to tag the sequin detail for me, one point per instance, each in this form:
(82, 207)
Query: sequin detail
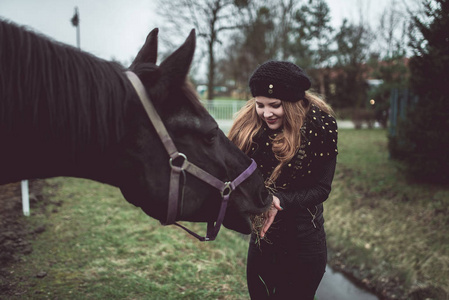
(318, 142)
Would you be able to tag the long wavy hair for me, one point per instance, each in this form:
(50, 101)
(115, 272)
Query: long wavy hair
(248, 123)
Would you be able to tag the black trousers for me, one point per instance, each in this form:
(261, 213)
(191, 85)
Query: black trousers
(291, 271)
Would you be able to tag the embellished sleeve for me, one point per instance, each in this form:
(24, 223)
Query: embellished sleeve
(324, 136)
(309, 196)
(314, 186)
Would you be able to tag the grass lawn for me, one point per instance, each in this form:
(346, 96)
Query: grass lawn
(98, 246)
(387, 232)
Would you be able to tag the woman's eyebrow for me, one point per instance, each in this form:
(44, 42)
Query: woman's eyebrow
(269, 103)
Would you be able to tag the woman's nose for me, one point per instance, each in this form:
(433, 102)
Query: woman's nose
(267, 113)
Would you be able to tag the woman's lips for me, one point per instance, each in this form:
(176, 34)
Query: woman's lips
(271, 121)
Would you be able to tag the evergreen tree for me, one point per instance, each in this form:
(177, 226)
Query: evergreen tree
(314, 28)
(313, 36)
(352, 53)
(422, 139)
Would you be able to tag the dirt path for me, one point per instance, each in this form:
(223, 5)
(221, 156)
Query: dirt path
(15, 233)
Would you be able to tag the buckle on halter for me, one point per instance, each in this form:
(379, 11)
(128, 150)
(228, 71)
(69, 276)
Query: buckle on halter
(181, 164)
(227, 189)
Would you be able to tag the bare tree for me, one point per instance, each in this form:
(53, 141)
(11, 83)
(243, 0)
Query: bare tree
(210, 18)
(268, 32)
(254, 44)
(392, 30)
(286, 19)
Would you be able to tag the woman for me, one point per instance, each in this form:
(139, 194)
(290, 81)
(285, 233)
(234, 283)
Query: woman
(292, 136)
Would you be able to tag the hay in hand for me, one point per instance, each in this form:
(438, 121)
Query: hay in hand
(259, 220)
(257, 224)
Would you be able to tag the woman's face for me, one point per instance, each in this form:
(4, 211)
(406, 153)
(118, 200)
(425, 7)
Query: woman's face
(271, 111)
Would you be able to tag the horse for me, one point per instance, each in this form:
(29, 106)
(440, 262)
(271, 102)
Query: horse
(66, 112)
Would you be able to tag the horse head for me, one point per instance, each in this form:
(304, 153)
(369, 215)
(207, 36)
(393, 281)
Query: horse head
(65, 112)
(145, 163)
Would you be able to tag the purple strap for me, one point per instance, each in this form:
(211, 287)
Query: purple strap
(212, 230)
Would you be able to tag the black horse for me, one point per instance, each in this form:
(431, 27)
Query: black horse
(64, 112)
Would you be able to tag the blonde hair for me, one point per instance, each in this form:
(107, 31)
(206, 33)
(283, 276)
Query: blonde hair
(247, 124)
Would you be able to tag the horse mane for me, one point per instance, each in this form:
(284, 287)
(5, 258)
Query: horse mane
(60, 89)
(190, 92)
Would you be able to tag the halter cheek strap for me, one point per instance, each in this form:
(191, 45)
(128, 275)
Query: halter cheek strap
(178, 168)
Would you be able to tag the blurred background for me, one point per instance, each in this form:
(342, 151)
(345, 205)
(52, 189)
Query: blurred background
(381, 64)
(356, 51)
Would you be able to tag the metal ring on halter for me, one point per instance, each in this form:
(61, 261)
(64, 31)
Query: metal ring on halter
(175, 157)
(227, 188)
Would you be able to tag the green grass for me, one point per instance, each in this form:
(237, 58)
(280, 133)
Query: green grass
(97, 246)
(390, 230)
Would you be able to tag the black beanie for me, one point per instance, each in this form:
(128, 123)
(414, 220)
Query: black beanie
(280, 80)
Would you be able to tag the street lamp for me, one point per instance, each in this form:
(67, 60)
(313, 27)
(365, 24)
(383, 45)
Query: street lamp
(76, 22)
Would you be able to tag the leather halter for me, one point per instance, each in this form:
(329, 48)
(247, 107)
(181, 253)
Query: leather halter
(177, 168)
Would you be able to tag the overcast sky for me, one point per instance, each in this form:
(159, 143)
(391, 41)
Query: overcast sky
(118, 28)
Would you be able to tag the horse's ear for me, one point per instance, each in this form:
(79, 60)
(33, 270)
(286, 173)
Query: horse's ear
(175, 68)
(148, 53)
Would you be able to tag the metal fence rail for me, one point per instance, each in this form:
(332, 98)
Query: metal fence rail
(223, 109)
(400, 101)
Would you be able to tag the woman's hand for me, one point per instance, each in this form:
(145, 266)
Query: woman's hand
(270, 215)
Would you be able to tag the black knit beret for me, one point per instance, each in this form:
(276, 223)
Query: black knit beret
(280, 80)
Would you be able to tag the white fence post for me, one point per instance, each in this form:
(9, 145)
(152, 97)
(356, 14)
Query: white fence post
(25, 198)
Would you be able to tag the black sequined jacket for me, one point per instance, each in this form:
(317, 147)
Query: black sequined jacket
(305, 182)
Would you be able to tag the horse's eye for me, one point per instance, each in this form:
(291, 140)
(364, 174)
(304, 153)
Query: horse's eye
(210, 136)
(210, 139)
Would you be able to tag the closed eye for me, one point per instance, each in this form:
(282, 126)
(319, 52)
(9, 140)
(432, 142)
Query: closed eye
(273, 105)
(211, 136)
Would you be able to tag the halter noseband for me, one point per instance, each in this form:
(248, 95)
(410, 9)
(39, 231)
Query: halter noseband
(177, 168)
